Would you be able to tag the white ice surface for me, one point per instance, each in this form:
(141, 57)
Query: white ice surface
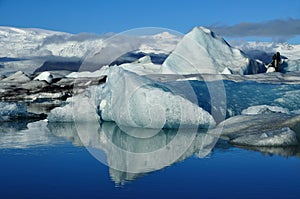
(37, 45)
(264, 109)
(142, 68)
(273, 129)
(18, 76)
(98, 73)
(79, 108)
(136, 101)
(144, 60)
(44, 76)
(291, 51)
(290, 65)
(201, 51)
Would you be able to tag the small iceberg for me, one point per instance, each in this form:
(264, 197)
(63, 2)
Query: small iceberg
(264, 109)
(280, 137)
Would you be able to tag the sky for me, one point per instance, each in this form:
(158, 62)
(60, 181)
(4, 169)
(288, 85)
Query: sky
(271, 20)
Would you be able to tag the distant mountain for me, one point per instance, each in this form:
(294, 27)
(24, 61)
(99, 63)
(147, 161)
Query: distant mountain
(265, 50)
(30, 48)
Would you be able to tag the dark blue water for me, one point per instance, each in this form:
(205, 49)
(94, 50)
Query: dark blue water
(63, 170)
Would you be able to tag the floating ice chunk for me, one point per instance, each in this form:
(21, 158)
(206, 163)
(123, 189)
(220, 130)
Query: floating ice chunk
(17, 77)
(98, 73)
(281, 137)
(241, 125)
(79, 108)
(9, 111)
(271, 70)
(290, 65)
(44, 76)
(144, 60)
(264, 109)
(136, 101)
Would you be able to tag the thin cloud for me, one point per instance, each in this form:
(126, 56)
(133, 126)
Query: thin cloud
(278, 28)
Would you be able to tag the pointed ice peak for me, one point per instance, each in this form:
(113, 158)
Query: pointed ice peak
(19, 76)
(203, 29)
(201, 51)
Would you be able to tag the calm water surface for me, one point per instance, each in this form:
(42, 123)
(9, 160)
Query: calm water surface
(56, 166)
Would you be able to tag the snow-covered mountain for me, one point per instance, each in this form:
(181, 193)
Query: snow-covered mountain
(265, 50)
(32, 47)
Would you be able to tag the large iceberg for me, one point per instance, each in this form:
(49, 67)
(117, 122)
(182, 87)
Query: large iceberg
(201, 51)
(137, 101)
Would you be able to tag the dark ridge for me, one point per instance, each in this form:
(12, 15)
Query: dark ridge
(72, 66)
(134, 56)
(10, 59)
(261, 55)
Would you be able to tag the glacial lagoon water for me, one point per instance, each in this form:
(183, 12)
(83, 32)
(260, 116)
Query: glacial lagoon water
(39, 160)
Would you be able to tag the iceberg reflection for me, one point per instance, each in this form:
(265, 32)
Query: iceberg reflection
(131, 152)
(22, 134)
